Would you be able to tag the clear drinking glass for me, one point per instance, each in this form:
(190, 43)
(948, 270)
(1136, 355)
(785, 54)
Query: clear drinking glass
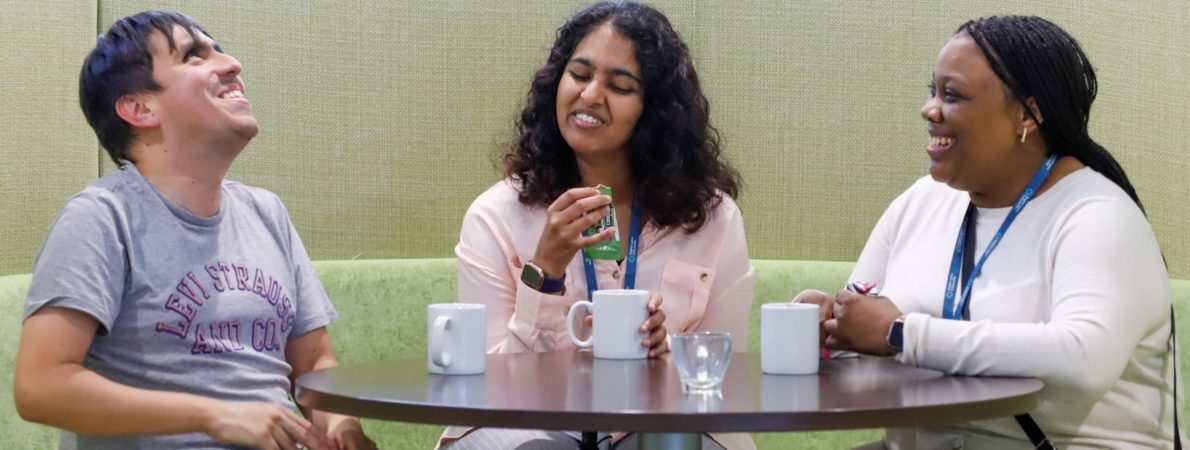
(702, 358)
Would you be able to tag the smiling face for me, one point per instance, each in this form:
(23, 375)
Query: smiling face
(600, 95)
(202, 94)
(974, 125)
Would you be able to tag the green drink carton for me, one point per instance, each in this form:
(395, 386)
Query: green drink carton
(609, 249)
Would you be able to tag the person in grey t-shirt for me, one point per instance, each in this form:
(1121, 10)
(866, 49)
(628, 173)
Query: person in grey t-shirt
(170, 308)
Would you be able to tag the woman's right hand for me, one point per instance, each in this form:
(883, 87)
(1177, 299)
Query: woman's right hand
(826, 309)
(565, 221)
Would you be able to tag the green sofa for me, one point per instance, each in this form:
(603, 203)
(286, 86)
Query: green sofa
(382, 305)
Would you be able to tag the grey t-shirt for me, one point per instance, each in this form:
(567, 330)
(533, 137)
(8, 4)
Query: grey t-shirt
(184, 303)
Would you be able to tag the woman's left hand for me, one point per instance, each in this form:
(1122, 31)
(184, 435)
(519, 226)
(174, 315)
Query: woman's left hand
(654, 327)
(861, 324)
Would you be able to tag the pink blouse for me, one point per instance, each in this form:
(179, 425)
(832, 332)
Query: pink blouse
(705, 279)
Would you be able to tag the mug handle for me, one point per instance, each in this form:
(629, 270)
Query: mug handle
(570, 324)
(437, 335)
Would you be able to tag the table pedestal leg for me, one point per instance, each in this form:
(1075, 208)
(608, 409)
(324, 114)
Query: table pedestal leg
(670, 441)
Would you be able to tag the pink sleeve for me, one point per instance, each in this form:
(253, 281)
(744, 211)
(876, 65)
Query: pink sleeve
(519, 318)
(731, 299)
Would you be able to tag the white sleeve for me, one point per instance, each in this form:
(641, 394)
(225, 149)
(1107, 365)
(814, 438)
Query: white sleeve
(872, 264)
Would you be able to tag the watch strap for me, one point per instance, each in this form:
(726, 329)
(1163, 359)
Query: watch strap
(552, 286)
(896, 335)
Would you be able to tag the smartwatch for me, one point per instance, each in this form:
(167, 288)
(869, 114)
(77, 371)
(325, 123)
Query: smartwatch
(534, 277)
(896, 334)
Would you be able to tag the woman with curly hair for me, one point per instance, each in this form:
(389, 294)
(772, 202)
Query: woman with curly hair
(618, 104)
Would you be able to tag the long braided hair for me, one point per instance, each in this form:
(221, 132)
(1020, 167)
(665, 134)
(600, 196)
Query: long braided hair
(1037, 59)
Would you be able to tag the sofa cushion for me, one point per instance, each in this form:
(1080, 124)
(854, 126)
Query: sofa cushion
(16, 432)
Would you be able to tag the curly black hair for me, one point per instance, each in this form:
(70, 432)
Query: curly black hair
(1037, 59)
(678, 174)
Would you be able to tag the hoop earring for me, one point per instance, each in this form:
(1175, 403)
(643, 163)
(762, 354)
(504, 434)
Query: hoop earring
(1023, 134)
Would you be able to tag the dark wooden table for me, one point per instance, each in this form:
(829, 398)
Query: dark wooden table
(574, 391)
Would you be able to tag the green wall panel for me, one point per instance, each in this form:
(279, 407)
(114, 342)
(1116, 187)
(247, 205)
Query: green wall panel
(381, 120)
(48, 152)
(820, 108)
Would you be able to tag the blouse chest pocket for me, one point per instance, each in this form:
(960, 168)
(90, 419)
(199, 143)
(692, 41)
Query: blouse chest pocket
(685, 290)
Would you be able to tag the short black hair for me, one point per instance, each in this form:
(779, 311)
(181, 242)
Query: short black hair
(120, 64)
(1038, 60)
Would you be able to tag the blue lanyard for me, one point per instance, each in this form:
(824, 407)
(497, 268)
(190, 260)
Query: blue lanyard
(949, 311)
(630, 268)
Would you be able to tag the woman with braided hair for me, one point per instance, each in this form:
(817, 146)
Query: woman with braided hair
(1025, 253)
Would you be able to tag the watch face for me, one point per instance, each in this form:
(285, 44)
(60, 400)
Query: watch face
(532, 276)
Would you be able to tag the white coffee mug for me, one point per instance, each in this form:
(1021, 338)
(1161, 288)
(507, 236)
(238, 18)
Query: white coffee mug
(457, 338)
(618, 315)
(789, 338)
